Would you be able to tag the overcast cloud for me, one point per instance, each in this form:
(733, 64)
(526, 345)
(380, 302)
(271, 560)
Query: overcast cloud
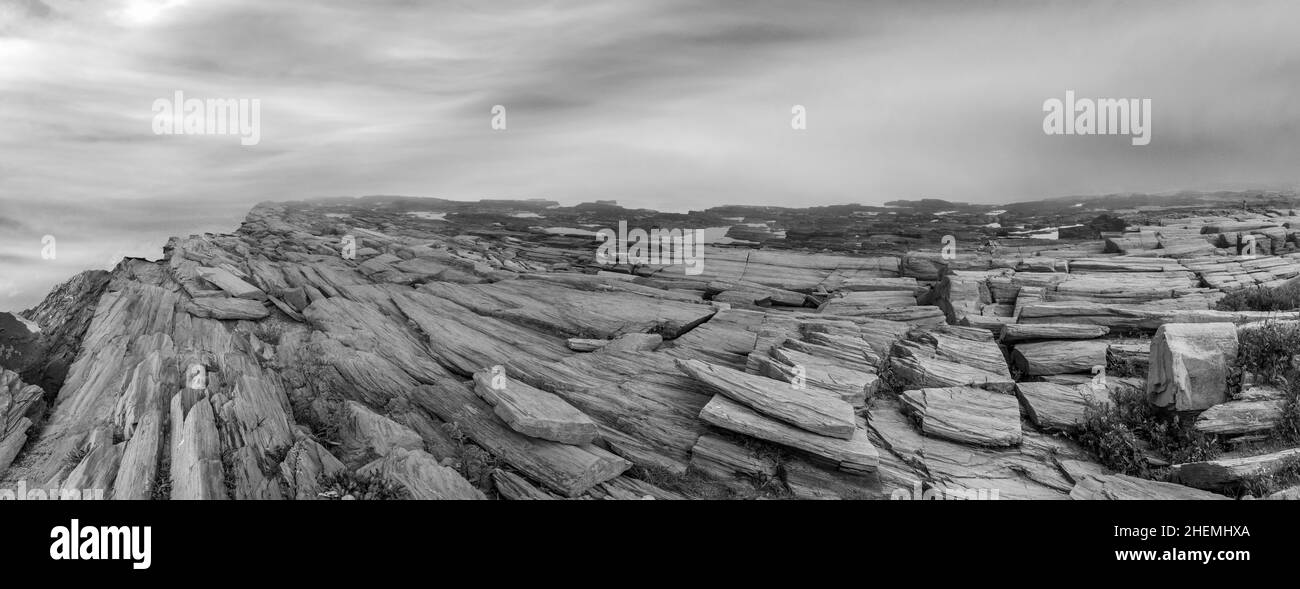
(670, 104)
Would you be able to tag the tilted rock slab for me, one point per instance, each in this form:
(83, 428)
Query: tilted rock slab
(226, 309)
(532, 411)
(567, 469)
(1057, 406)
(1124, 487)
(422, 476)
(914, 366)
(965, 414)
(233, 285)
(820, 412)
(1216, 474)
(855, 454)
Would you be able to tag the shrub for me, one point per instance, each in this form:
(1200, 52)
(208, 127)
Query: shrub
(162, 482)
(1266, 350)
(693, 483)
(362, 487)
(1125, 431)
(472, 462)
(1265, 485)
(1260, 298)
(1105, 222)
(76, 455)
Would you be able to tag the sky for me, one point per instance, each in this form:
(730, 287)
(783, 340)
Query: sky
(667, 104)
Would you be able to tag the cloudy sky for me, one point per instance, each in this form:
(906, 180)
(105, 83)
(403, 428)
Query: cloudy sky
(671, 104)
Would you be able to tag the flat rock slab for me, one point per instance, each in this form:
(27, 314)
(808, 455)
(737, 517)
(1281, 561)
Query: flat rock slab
(817, 411)
(965, 414)
(570, 312)
(756, 292)
(1236, 418)
(1021, 332)
(532, 411)
(579, 344)
(1058, 406)
(854, 454)
(634, 342)
(863, 284)
(1216, 474)
(1060, 357)
(233, 285)
(1124, 487)
(1190, 363)
(226, 309)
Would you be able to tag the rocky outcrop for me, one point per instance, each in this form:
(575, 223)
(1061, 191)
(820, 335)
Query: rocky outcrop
(279, 362)
(21, 405)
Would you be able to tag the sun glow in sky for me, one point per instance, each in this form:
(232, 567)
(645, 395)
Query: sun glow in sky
(145, 12)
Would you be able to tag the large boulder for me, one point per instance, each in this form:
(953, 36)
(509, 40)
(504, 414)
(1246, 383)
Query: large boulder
(1190, 363)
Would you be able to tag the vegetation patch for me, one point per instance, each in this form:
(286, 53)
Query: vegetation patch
(1126, 432)
(349, 485)
(1265, 485)
(76, 455)
(472, 462)
(1269, 352)
(1260, 298)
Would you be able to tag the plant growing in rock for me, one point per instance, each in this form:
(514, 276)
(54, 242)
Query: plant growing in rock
(346, 484)
(1269, 351)
(1126, 432)
(76, 455)
(1261, 298)
(472, 462)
